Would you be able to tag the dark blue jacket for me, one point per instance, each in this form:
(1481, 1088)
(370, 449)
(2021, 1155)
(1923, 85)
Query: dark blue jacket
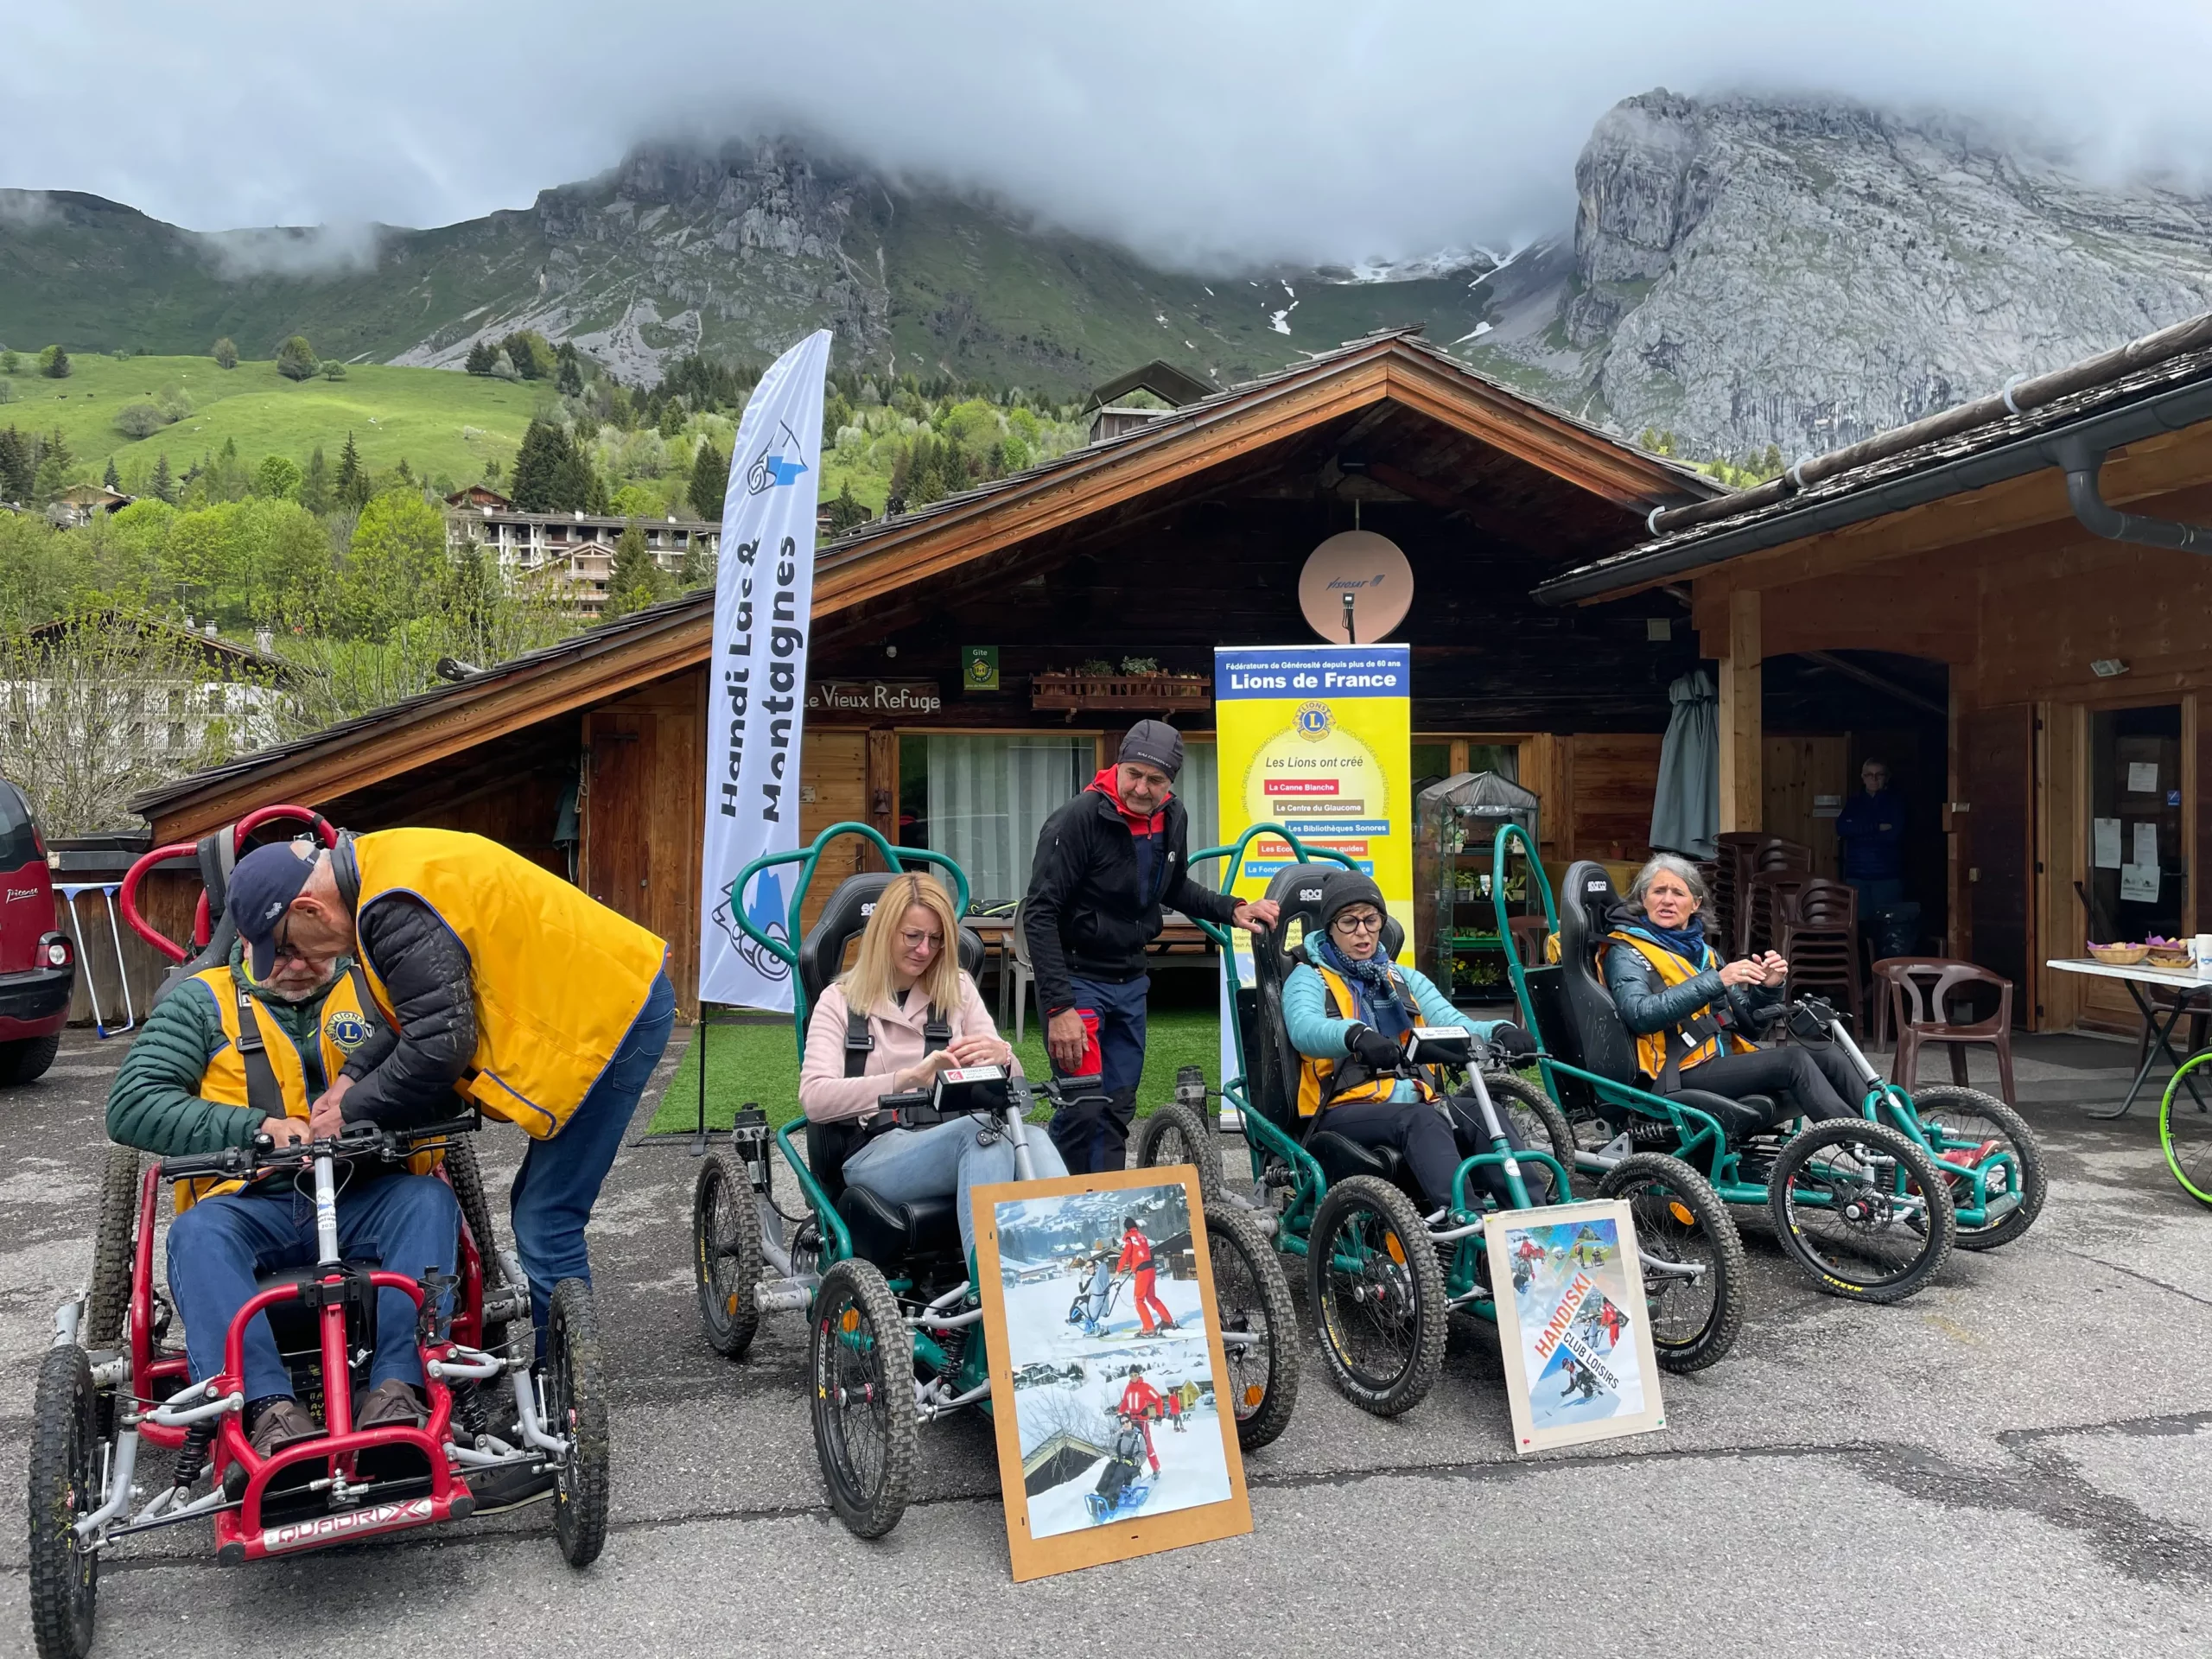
(1873, 828)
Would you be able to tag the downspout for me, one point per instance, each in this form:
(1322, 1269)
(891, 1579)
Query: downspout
(2081, 464)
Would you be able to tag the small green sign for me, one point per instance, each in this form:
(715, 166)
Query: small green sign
(980, 668)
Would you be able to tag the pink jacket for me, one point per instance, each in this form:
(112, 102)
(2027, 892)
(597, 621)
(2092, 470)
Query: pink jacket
(826, 1094)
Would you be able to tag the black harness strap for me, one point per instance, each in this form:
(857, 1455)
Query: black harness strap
(263, 1091)
(860, 1042)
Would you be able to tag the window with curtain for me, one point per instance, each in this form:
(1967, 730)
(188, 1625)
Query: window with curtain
(989, 796)
(1199, 786)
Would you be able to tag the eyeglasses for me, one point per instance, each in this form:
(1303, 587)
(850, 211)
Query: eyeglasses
(1368, 923)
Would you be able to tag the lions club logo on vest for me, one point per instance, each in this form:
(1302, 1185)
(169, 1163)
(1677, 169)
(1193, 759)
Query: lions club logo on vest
(346, 1030)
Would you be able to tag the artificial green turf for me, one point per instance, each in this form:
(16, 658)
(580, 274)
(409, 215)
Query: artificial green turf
(761, 1063)
(436, 420)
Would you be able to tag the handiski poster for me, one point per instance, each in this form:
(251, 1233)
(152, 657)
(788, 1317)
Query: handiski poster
(1573, 1323)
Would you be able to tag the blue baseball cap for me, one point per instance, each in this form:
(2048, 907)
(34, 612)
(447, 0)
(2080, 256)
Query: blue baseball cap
(263, 885)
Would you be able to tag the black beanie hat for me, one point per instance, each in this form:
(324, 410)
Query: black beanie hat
(1154, 743)
(1341, 889)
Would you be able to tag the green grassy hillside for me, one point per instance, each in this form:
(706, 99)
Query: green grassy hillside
(439, 422)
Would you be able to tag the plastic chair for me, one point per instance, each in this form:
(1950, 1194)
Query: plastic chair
(1768, 897)
(1529, 933)
(1820, 937)
(1732, 870)
(1921, 991)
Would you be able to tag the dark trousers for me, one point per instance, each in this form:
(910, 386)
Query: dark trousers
(1816, 1079)
(1432, 1143)
(1093, 1135)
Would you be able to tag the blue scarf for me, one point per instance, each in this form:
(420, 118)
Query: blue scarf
(1687, 942)
(1372, 985)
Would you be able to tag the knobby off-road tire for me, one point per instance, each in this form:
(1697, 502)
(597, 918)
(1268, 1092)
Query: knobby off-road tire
(575, 1399)
(1879, 1254)
(1377, 1292)
(726, 1255)
(1174, 1134)
(1253, 1299)
(1679, 1217)
(861, 1364)
(64, 1456)
(464, 1175)
(26, 1059)
(1538, 1117)
(114, 1251)
(2185, 1133)
(1968, 1114)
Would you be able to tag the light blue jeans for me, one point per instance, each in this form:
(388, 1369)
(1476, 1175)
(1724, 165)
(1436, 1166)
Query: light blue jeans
(944, 1160)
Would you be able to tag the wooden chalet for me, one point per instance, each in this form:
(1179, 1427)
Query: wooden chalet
(1103, 579)
(2017, 592)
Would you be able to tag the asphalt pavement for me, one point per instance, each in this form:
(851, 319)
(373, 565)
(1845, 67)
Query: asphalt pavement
(2017, 1461)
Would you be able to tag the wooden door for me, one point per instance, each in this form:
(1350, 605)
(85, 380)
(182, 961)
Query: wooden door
(617, 861)
(1996, 769)
(1808, 777)
(833, 789)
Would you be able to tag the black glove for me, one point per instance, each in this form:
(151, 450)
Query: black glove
(1509, 1040)
(1372, 1049)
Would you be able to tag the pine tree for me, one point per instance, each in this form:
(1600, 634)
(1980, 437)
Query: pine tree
(53, 363)
(164, 486)
(315, 494)
(537, 464)
(569, 381)
(108, 478)
(635, 580)
(353, 480)
(17, 470)
(481, 356)
(846, 512)
(709, 479)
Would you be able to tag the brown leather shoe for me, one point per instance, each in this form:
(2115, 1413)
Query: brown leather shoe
(283, 1423)
(390, 1402)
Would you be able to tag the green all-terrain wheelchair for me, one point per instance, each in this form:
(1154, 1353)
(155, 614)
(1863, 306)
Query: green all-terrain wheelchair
(1383, 1279)
(1870, 1206)
(897, 1333)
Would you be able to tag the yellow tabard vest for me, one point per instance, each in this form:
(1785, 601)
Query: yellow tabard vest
(1651, 1045)
(1314, 1077)
(341, 1027)
(558, 977)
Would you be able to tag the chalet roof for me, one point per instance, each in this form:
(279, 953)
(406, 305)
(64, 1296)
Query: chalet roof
(2157, 384)
(1161, 378)
(219, 654)
(885, 555)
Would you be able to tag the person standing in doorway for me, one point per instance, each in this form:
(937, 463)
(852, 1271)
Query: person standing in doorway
(1872, 828)
(1107, 863)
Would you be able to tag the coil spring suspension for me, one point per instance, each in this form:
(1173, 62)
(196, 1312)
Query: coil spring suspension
(192, 1455)
(468, 1406)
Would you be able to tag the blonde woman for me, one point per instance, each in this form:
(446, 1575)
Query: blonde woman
(908, 966)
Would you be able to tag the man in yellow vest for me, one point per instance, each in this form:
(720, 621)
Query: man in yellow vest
(224, 1057)
(499, 981)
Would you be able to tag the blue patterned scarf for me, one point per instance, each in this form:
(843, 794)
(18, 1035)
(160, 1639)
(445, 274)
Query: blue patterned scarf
(1373, 987)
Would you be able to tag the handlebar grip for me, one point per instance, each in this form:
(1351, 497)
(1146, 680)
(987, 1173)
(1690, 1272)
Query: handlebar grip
(230, 1161)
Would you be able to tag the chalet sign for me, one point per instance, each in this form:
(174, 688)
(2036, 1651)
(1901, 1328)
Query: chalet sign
(873, 698)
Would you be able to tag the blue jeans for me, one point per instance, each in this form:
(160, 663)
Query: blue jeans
(1094, 1135)
(560, 1178)
(406, 1222)
(945, 1159)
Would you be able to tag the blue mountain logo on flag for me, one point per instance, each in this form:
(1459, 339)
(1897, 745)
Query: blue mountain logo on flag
(777, 463)
(766, 911)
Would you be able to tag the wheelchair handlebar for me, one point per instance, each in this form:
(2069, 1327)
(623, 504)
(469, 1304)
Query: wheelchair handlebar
(354, 1143)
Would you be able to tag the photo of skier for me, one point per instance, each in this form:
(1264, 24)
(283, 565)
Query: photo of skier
(1135, 1260)
(1574, 1325)
(1104, 1285)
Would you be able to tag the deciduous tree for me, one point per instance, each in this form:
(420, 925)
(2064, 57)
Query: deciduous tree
(225, 353)
(295, 359)
(53, 363)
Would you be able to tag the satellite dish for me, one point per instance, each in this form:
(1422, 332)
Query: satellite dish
(1356, 577)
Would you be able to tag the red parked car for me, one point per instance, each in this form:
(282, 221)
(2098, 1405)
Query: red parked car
(38, 966)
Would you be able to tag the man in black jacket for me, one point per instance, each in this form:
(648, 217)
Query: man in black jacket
(1107, 862)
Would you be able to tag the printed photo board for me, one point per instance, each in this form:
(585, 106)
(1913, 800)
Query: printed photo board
(1116, 1435)
(1572, 1325)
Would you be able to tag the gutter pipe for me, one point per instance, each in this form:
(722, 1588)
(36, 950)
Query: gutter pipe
(2081, 464)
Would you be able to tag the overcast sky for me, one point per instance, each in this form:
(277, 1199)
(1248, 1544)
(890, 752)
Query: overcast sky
(1267, 129)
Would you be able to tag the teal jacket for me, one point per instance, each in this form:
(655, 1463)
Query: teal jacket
(1312, 1033)
(156, 1103)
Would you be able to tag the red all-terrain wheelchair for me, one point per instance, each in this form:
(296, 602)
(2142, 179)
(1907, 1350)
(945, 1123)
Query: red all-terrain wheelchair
(501, 1430)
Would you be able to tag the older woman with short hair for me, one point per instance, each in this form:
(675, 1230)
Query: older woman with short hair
(1665, 980)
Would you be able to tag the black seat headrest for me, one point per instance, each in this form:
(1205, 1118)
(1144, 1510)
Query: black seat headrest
(218, 854)
(1573, 994)
(821, 953)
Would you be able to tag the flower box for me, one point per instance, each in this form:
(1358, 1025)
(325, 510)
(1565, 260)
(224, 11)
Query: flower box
(1134, 694)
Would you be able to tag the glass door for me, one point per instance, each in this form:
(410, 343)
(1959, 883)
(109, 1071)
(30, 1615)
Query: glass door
(2138, 862)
